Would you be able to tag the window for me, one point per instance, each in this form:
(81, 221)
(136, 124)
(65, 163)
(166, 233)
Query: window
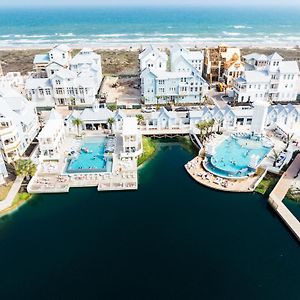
(57, 81)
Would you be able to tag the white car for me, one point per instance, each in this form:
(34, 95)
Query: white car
(148, 109)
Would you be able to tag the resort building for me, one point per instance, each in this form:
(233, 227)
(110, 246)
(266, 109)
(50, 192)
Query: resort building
(216, 60)
(19, 123)
(268, 78)
(153, 58)
(131, 138)
(3, 170)
(95, 118)
(161, 87)
(64, 80)
(51, 137)
(184, 60)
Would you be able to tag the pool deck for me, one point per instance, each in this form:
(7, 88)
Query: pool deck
(278, 194)
(195, 169)
(51, 177)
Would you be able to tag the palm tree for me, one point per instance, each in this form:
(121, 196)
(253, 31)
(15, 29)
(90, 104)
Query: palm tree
(201, 126)
(275, 155)
(288, 140)
(140, 119)
(77, 122)
(110, 122)
(25, 167)
(211, 124)
(219, 123)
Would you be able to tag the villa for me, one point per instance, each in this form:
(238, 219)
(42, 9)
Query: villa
(184, 60)
(59, 79)
(19, 123)
(153, 58)
(268, 78)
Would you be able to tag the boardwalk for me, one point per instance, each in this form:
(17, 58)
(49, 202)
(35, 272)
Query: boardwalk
(277, 195)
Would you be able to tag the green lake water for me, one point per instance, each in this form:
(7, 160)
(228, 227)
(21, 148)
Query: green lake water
(171, 239)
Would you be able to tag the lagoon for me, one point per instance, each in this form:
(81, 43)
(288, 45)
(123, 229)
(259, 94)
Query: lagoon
(171, 239)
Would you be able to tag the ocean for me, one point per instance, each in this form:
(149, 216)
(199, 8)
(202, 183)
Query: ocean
(171, 239)
(136, 26)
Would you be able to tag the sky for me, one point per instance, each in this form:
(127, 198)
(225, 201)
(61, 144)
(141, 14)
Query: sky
(238, 3)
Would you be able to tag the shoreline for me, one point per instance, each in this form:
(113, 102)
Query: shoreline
(138, 46)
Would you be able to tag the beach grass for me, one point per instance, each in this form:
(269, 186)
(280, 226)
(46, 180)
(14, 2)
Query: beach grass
(149, 148)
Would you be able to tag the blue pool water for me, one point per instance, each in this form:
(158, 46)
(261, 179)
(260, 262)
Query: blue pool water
(91, 158)
(233, 155)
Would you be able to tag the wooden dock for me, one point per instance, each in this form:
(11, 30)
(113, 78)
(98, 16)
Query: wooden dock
(277, 196)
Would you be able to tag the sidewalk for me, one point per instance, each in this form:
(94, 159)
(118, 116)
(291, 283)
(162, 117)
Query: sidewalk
(8, 201)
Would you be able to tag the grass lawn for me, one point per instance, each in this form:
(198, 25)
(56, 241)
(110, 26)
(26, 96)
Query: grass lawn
(4, 189)
(21, 197)
(149, 148)
(267, 184)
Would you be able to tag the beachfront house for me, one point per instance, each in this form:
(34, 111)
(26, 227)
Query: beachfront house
(161, 87)
(64, 80)
(60, 54)
(51, 137)
(184, 60)
(19, 123)
(268, 78)
(152, 57)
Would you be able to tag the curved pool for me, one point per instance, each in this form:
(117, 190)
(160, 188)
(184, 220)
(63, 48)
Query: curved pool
(238, 156)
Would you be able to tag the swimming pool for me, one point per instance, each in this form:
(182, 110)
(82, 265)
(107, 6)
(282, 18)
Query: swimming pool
(91, 157)
(238, 156)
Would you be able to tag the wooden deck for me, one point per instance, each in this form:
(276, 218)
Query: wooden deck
(277, 196)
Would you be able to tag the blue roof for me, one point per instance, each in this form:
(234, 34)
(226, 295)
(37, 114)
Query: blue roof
(41, 58)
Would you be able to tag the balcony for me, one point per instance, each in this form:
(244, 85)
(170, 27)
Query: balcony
(11, 146)
(6, 130)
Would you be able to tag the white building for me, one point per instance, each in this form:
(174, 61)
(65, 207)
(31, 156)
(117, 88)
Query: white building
(184, 60)
(3, 170)
(51, 137)
(60, 54)
(131, 138)
(95, 118)
(13, 79)
(267, 78)
(18, 123)
(153, 58)
(64, 80)
(159, 87)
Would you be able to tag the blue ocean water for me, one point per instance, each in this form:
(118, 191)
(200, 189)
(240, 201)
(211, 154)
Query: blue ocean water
(136, 26)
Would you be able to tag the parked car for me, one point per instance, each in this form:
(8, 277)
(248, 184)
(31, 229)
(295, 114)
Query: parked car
(148, 109)
(182, 108)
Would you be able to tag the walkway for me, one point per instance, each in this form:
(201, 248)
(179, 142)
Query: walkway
(277, 196)
(8, 201)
